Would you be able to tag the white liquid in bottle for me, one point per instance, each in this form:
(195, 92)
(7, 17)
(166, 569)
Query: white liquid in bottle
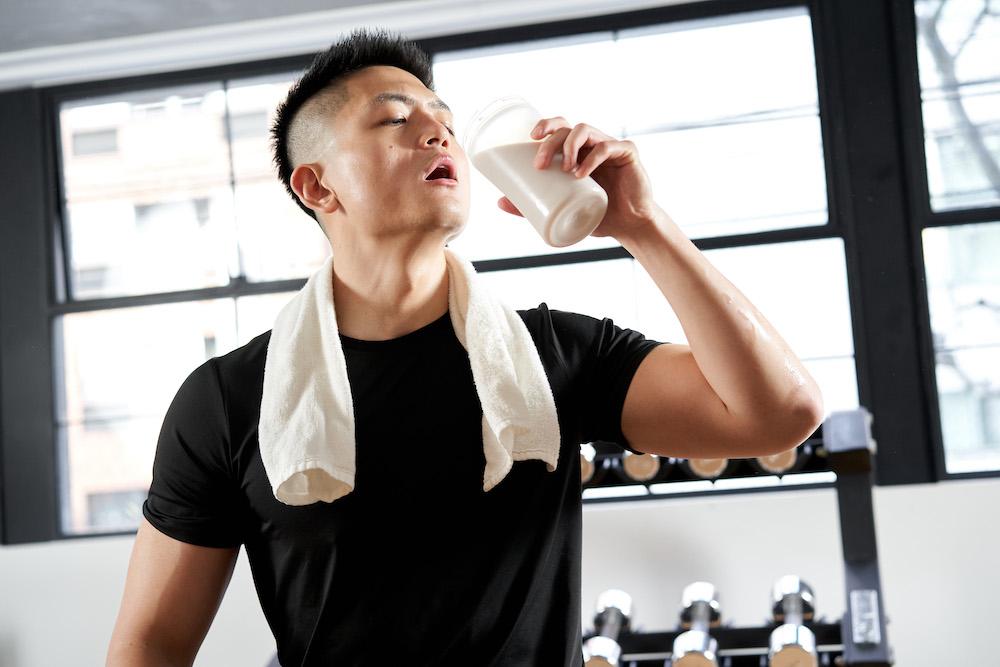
(563, 208)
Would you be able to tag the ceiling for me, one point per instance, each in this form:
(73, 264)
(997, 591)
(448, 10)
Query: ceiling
(28, 24)
(47, 43)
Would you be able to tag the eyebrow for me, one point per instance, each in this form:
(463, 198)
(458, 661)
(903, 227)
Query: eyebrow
(382, 98)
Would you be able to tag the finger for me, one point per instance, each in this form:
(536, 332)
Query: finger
(600, 153)
(572, 143)
(582, 136)
(506, 205)
(549, 147)
(548, 125)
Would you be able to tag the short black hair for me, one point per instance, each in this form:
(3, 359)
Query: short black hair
(322, 86)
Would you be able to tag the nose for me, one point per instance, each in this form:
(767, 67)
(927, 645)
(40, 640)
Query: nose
(439, 133)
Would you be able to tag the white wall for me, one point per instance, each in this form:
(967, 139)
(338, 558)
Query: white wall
(938, 549)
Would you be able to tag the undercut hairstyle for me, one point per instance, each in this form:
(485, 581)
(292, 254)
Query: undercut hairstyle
(303, 118)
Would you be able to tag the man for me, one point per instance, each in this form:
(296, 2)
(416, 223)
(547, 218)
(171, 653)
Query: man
(419, 565)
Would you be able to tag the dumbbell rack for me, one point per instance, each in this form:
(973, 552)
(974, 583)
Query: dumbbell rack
(738, 647)
(609, 472)
(859, 639)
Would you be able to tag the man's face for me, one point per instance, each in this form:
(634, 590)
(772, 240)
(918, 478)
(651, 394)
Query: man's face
(380, 152)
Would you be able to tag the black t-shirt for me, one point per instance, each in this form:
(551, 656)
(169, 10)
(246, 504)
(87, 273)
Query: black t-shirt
(417, 563)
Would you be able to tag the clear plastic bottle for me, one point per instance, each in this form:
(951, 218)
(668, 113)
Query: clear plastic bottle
(562, 208)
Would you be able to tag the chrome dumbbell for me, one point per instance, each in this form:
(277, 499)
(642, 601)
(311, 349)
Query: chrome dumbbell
(640, 467)
(706, 468)
(782, 462)
(587, 455)
(613, 616)
(699, 613)
(792, 643)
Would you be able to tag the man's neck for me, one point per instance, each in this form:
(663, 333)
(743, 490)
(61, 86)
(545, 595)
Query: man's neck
(387, 308)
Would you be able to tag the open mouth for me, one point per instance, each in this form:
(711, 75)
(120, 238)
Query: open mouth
(443, 174)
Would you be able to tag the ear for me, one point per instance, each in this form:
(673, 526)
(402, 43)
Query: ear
(306, 183)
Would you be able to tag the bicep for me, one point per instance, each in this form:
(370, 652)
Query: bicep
(172, 592)
(671, 410)
(600, 359)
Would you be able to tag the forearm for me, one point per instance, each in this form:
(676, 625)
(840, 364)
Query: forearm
(746, 362)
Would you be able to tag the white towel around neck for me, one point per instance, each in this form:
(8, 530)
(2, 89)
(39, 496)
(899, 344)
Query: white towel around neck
(307, 430)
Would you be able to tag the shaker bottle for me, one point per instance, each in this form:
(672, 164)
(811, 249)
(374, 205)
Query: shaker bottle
(562, 208)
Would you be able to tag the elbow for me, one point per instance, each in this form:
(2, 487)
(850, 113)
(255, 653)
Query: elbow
(814, 412)
(788, 428)
(803, 420)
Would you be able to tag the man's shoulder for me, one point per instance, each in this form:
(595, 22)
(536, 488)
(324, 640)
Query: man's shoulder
(243, 367)
(534, 316)
(543, 320)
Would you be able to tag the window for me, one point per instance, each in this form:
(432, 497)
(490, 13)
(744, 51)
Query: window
(166, 251)
(175, 207)
(116, 510)
(963, 290)
(960, 88)
(260, 201)
(959, 75)
(248, 124)
(120, 368)
(131, 213)
(732, 145)
(95, 142)
(803, 293)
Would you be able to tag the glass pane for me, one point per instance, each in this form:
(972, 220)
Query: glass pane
(277, 239)
(148, 195)
(803, 294)
(771, 68)
(968, 382)
(963, 294)
(746, 126)
(957, 57)
(771, 173)
(111, 409)
(458, 75)
(255, 315)
(120, 370)
(800, 287)
(837, 378)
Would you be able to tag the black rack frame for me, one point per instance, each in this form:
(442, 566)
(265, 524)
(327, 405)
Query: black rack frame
(860, 639)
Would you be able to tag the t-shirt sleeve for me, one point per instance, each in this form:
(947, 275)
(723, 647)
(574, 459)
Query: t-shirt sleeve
(193, 496)
(601, 359)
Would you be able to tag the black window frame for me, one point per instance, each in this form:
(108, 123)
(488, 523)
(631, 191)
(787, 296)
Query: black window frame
(922, 216)
(870, 115)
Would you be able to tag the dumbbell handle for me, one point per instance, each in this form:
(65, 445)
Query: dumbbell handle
(792, 607)
(701, 616)
(611, 623)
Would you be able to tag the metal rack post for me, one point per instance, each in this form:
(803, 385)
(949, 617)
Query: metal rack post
(848, 441)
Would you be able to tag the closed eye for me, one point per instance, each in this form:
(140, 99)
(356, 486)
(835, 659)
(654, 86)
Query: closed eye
(394, 121)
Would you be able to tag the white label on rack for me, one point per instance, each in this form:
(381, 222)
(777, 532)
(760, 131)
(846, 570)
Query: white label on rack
(864, 617)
